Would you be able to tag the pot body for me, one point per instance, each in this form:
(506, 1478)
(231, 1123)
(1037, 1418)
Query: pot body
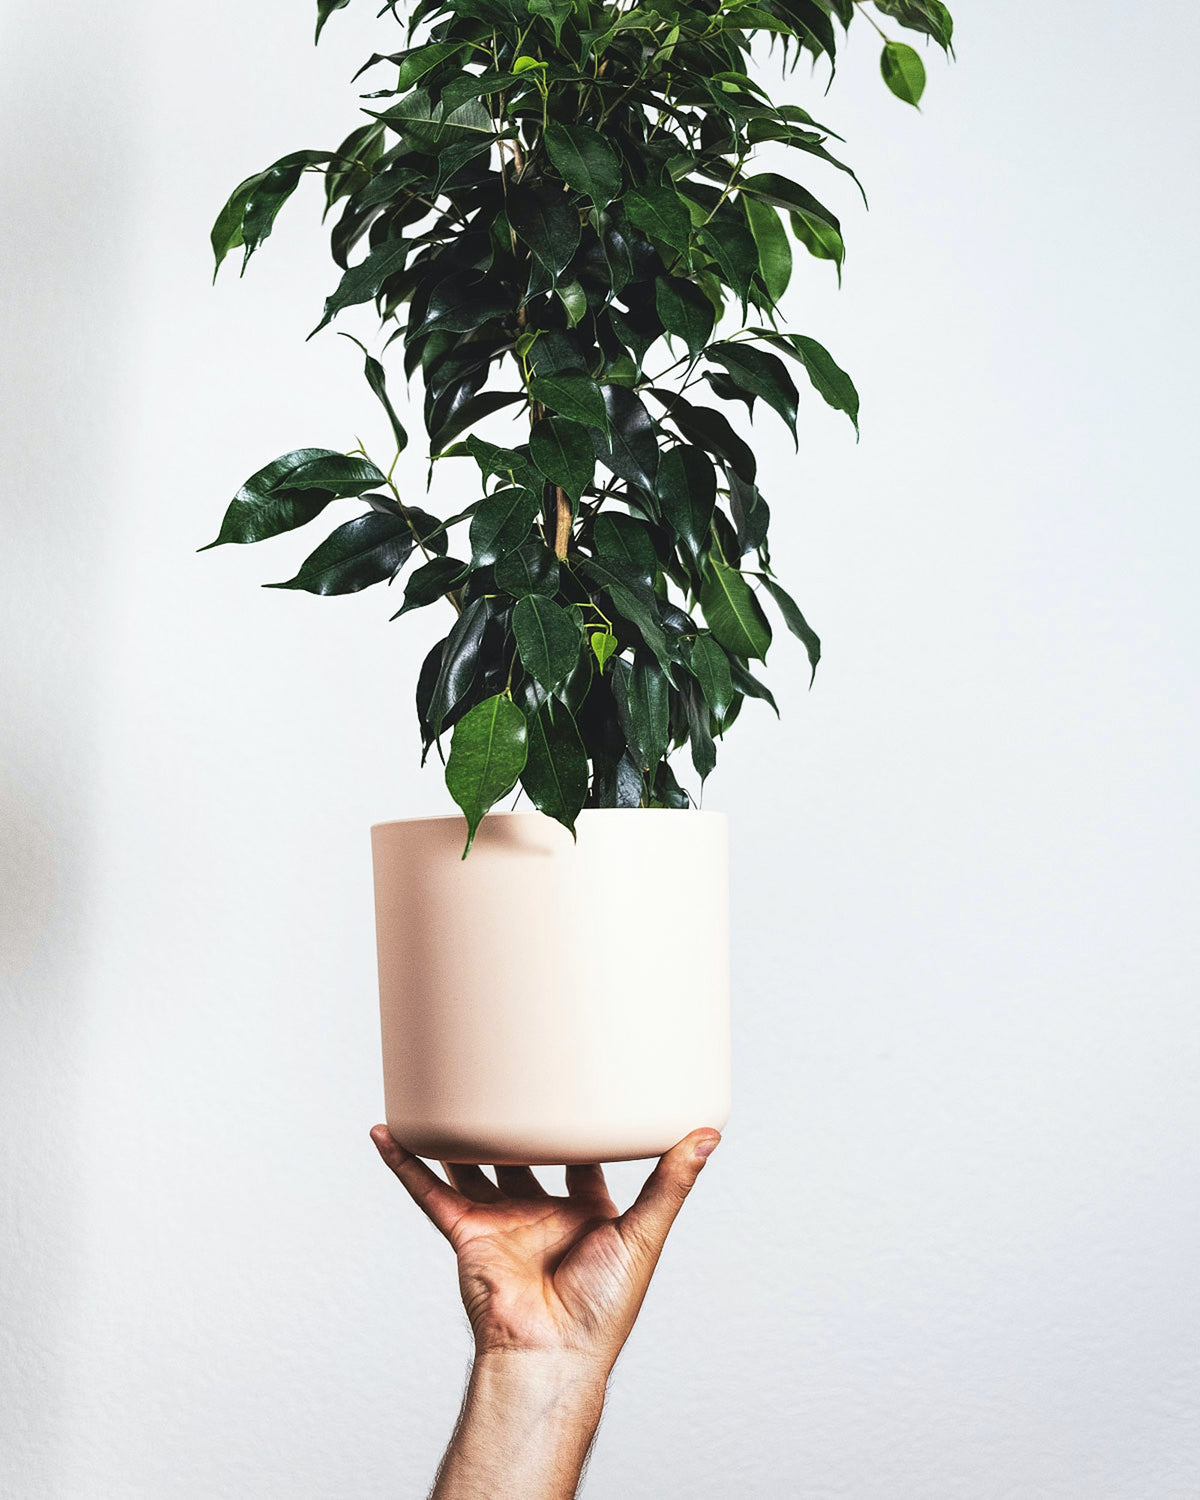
(546, 1001)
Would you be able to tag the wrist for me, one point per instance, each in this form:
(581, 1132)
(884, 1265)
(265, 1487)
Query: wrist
(564, 1378)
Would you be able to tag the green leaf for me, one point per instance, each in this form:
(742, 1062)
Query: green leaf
(377, 380)
(291, 491)
(928, 16)
(699, 722)
(586, 160)
(249, 215)
(548, 640)
(462, 303)
(530, 569)
(761, 374)
(903, 71)
(633, 602)
(746, 683)
(422, 60)
(774, 251)
(326, 8)
(708, 429)
(365, 281)
(547, 222)
(502, 523)
(643, 701)
(459, 663)
(432, 581)
(571, 394)
(632, 450)
(555, 777)
(507, 462)
(469, 413)
(487, 755)
(828, 378)
(574, 301)
(684, 311)
(734, 615)
(814, 225)
(662, 214)
(603, 645)
(364, 551)
(732, 246)
(687, 495)
(795, 621)
(562, 451)
(625, 540)
(711, 667)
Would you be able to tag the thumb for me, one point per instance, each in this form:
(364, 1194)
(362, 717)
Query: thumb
(646, 1222)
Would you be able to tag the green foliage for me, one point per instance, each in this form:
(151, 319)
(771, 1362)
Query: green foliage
(556, 210)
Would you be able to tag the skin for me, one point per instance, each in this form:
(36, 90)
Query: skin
(552, 1287)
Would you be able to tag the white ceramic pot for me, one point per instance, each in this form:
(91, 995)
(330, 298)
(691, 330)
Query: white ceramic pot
(545, 1001)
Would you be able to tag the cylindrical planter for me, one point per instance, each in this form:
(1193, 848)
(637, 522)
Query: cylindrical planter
(546, 1001)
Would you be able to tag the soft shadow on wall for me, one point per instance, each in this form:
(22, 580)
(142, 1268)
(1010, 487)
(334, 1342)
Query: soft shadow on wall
(67, 184)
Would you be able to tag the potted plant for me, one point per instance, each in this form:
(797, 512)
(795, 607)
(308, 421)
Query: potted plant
(556, 210)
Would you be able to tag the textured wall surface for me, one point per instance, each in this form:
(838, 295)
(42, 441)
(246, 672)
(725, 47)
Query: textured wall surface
(948, 1249)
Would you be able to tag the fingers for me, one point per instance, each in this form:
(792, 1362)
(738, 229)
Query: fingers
(440, 1202)
(472, 1182)
(646, 1222)
(587, 1181)
(519, 1182)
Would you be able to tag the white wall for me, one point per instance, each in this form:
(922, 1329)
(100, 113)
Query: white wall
(948, 1249)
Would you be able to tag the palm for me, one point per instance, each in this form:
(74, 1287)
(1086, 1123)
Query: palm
(544, 1271)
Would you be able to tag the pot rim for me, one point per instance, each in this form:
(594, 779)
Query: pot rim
(590, 813)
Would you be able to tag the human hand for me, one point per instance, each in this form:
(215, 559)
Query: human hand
(551, 1274)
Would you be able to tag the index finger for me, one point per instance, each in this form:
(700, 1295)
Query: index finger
(438, 1200)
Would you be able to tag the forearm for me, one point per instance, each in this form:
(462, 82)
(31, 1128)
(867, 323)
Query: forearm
(526, 1426)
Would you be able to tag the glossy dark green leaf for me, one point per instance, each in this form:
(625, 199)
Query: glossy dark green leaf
(530, 569)
(364, 282)
(571, 394)
(733, 613)
(464, 302)
(370, 549)
(708, 429)
(623, 539)
(377, 379)
(711, 667)
(544, 218)
(903, 71)
(555, 777)
(662, 214)
(822, 230)
(508, 463)
(699, 722)
(774, 249)
(732, 245)
(548, 640)
(634, 603)
(326, 8)
(586, 160)
(562, 451)
(763, 374)
(687, 494)
(685, 312)
(632, 450)
(249, 215)
(432, 581)
(748, 685)
(642, 699)
(501, 523)
(469, 413)
(291, 491)
(487, 755)
(459, 663)
(928, 16)
(795, 621)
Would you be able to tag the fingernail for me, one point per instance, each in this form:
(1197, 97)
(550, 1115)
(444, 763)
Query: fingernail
(707, 1147)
